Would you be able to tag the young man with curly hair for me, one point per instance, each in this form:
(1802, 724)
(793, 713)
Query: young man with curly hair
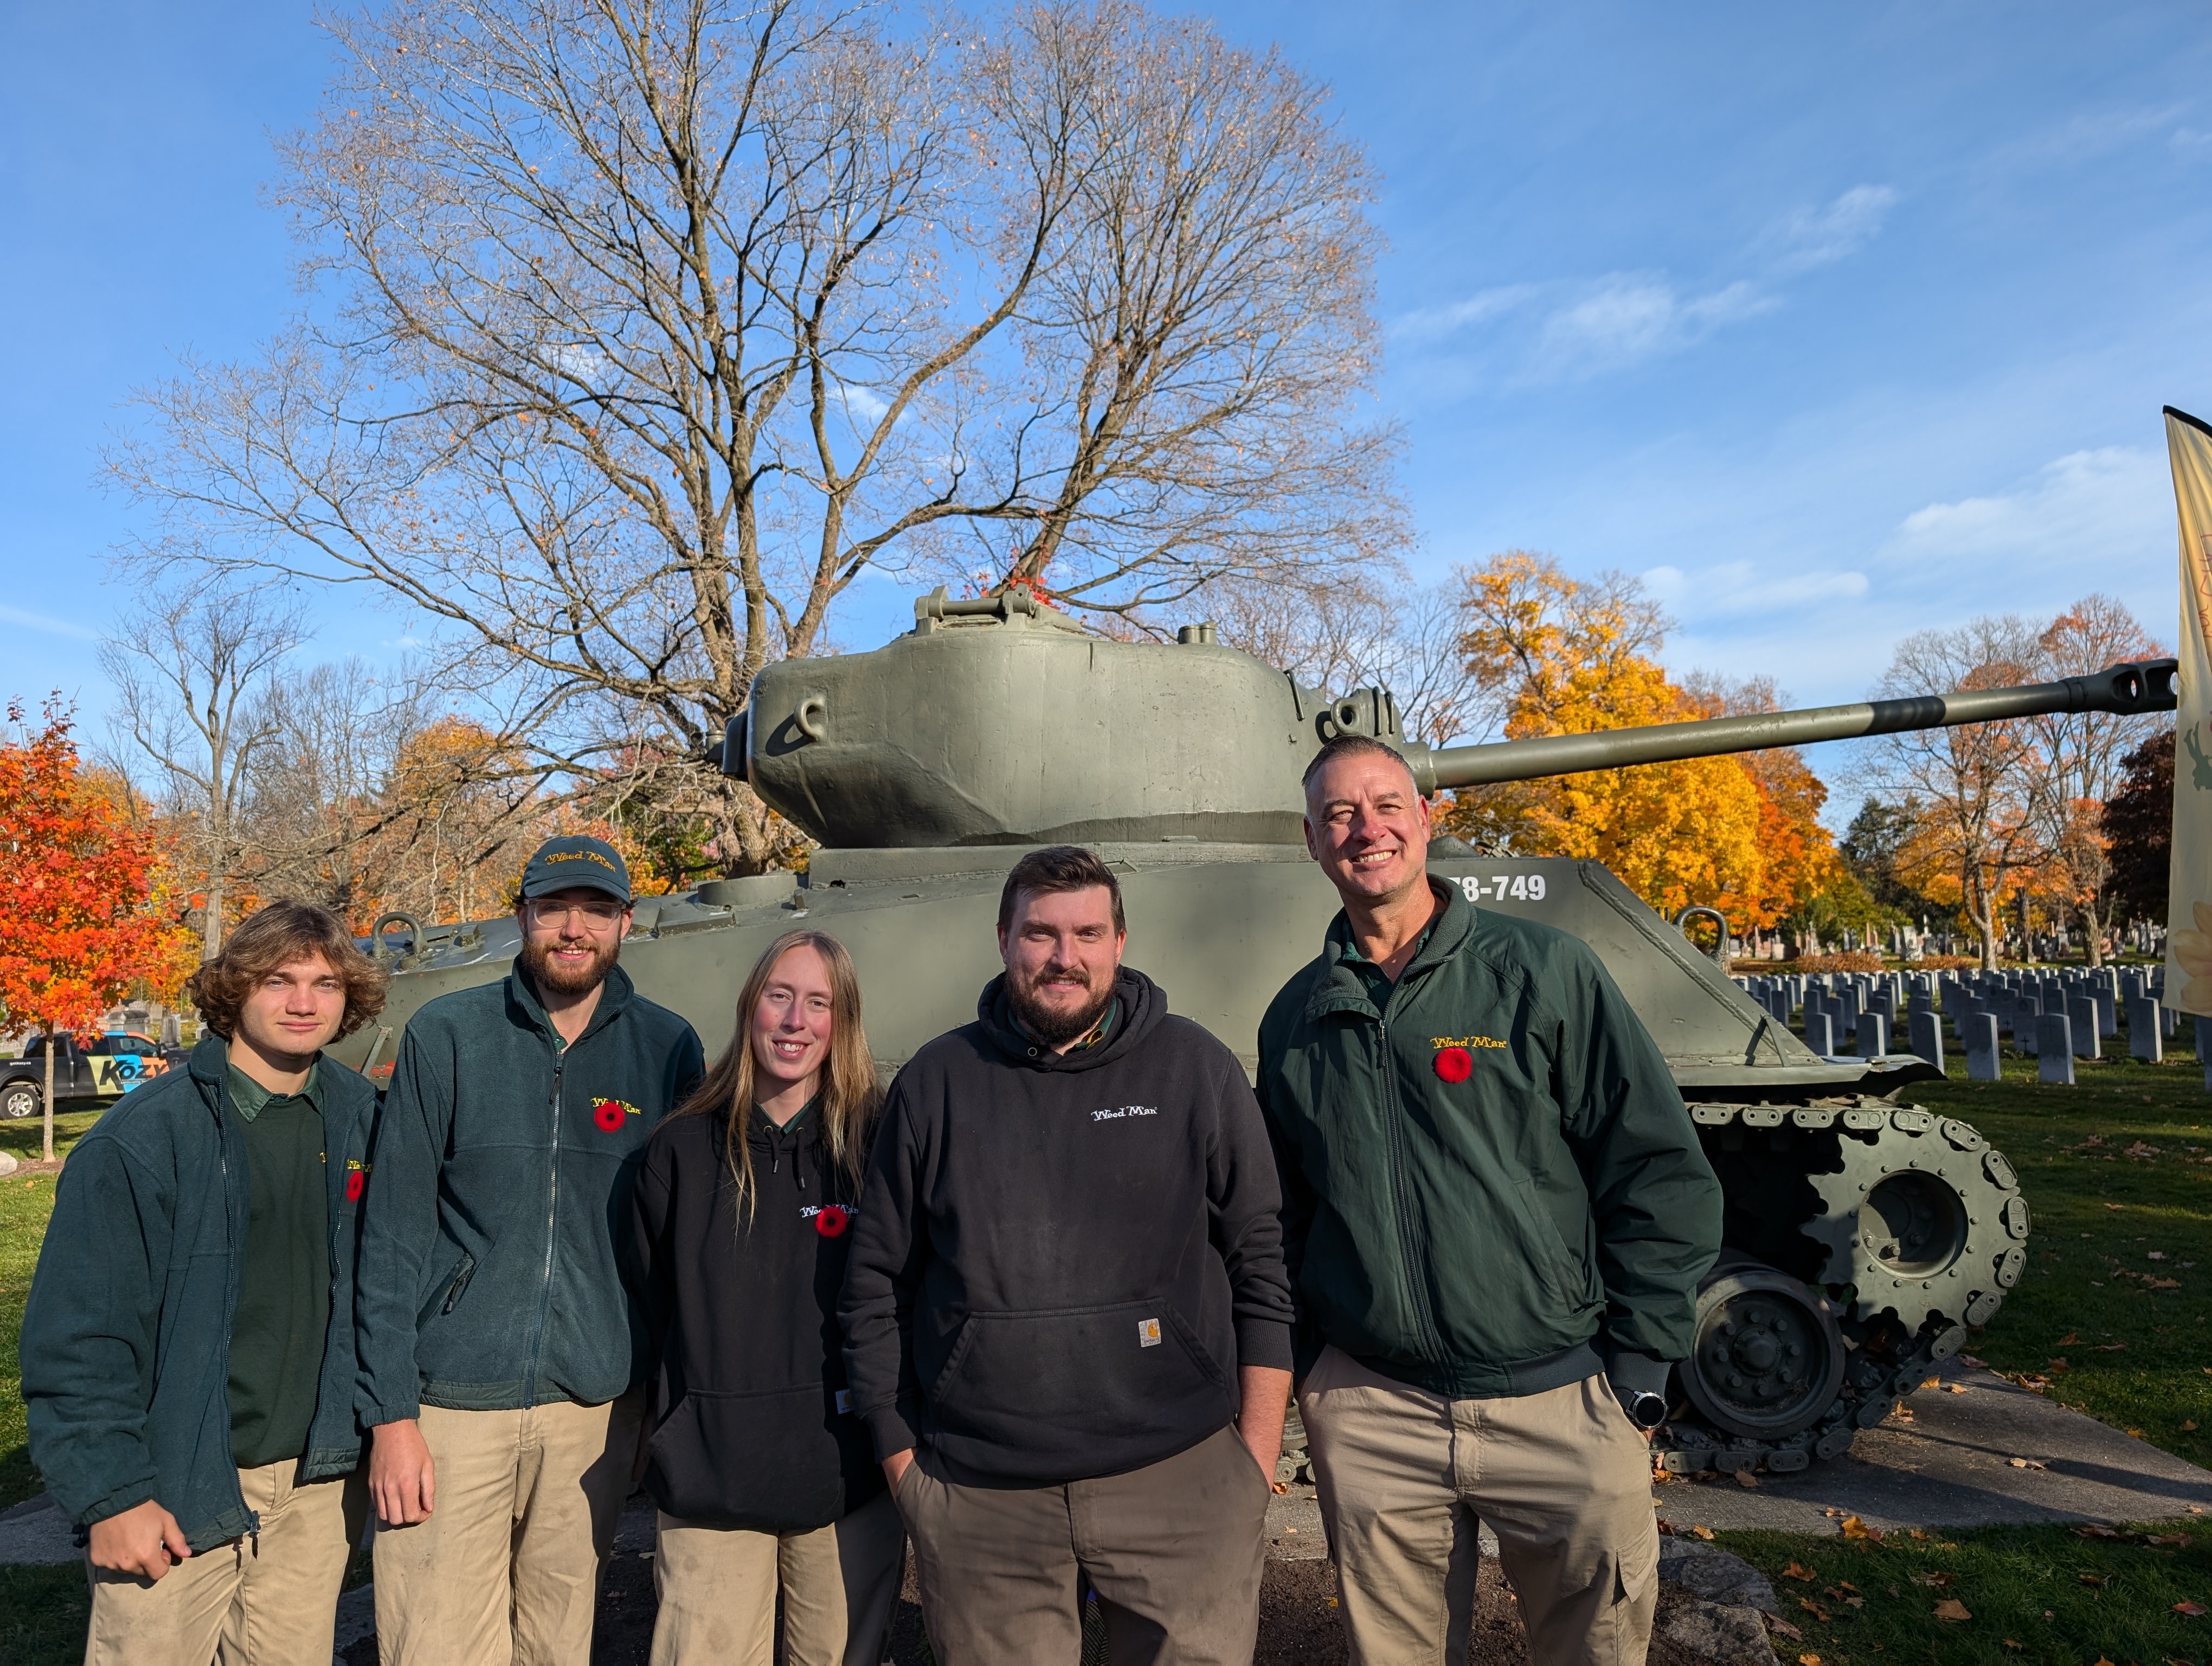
(188, 1350)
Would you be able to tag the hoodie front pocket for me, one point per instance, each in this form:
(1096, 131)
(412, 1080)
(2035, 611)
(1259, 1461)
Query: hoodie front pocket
(1084, 1378)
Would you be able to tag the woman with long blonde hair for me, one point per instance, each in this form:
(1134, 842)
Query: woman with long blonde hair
(742, 1213)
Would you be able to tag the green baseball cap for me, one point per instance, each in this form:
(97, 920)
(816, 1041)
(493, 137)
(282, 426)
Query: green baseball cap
(560, 864)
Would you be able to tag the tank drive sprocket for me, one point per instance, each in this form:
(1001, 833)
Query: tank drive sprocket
(1863, 1239)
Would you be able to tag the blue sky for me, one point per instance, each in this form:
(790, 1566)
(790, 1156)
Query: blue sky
(1833, 323)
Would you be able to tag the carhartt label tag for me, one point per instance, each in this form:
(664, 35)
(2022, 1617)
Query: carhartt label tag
(1148, 1333)
(845, 1399)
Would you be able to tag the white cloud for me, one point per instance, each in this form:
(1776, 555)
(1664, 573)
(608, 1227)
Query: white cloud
(1625, 317)
(51, 626)
(2080, 510)
(1434, 323)
(863, 403)
(1820, 237)
(1739, 589)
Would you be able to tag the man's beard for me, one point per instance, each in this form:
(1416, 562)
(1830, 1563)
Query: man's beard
(547, 975)
(1055, 1026)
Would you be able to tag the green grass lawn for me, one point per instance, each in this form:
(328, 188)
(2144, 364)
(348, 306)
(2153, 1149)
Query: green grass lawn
(2045, 1595)
(26, 1200)
(2114, 1314)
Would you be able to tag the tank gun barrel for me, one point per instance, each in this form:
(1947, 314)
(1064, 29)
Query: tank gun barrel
(2126, 689)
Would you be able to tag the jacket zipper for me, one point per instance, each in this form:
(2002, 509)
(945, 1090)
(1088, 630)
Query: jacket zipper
(222, 1159)
(552, 1215)
(1416, 1293)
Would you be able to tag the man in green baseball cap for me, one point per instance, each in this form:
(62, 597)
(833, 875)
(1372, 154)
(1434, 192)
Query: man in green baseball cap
(499, 1372)
(561, 863)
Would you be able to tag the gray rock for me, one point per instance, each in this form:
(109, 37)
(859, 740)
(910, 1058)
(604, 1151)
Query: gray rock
(1731, 1636)
(7, 1163)
(1715, 1574)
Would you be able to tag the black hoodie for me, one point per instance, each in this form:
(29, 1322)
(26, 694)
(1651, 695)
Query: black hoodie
(741, 1326)
(1060, 1261)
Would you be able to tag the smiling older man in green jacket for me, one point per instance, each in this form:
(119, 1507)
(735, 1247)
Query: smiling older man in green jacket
(1496, 1217)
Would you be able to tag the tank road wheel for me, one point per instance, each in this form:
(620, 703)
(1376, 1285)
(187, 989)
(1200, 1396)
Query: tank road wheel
(1923, 1220)
(1296, 1463)
(19, 1099)
(1768, 1359)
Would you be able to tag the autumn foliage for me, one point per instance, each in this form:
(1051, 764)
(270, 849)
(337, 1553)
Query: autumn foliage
(1559, 656)
(75, 885)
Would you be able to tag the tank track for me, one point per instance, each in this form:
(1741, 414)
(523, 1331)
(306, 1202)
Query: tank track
(1898, 1229)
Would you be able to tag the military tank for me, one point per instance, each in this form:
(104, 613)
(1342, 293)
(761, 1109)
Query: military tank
(1863, 1236)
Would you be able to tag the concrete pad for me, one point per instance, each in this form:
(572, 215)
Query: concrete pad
(1294, 1529)
(1950, 1466)
(37, 1531)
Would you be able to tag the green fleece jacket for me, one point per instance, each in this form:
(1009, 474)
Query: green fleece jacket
(488, 1277)
(1491, 1186)
(126, 1341)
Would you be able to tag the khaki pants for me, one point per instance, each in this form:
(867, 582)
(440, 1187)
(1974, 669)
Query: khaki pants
(718, 1588)
(264, 1599)
(506, 1571)
(1175, 1551)
(1563, 1478)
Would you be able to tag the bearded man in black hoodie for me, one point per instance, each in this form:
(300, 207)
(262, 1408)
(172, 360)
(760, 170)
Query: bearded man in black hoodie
(1066, 1320)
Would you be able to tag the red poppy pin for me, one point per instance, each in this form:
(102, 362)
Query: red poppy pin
(356, 1184)
(1454, 1064)
(832, 1221)
(609, 1115)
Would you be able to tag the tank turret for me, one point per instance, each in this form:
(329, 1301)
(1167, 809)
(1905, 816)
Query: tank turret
(1862, 1235)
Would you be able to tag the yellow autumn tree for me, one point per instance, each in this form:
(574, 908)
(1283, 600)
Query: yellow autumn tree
(1559, 656)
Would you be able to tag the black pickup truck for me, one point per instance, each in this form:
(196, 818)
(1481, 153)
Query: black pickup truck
(107, 1067)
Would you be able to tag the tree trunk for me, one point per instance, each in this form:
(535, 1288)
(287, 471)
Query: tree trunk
(48, 1106)
(211, 916)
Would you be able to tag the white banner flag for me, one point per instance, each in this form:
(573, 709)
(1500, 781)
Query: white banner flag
(2189, 893)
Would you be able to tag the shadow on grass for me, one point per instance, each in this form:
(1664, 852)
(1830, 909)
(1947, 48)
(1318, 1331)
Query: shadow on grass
(43, 1611)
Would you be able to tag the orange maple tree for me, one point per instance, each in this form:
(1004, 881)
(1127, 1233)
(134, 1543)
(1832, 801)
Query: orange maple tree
(75, 883)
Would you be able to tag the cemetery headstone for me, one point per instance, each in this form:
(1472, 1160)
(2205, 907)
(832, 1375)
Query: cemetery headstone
(1980, 1037)
(2144, 1041)
(1927, 1037)
(1820, 1033)
(2054, 1049)
(2081, 1017)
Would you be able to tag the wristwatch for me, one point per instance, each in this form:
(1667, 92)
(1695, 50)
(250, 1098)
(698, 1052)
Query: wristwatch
(1646, 1410)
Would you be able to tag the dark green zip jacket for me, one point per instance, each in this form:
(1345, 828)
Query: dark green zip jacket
(1491, 1185)
(126, 1340)
(488, 1277)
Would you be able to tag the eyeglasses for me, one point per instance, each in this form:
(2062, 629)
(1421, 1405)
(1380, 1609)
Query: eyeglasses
(600, 916)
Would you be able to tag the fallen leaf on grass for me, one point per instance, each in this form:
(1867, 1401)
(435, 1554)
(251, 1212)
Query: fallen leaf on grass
(1799, 1570)
(2188, 1425)
(1705, 1532)
(1856, 1528)
(2093, 1531)
(1808, 1660)
(1783, 1627)
(1813, 1608)
(2168, 1539)
(1917, 1534)
(1938, 1581)
(2109, 1348)
(2098, 1579)
(2134, 1434)
(1951, 1609)
(2069, 1340)
(2190, 1610)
